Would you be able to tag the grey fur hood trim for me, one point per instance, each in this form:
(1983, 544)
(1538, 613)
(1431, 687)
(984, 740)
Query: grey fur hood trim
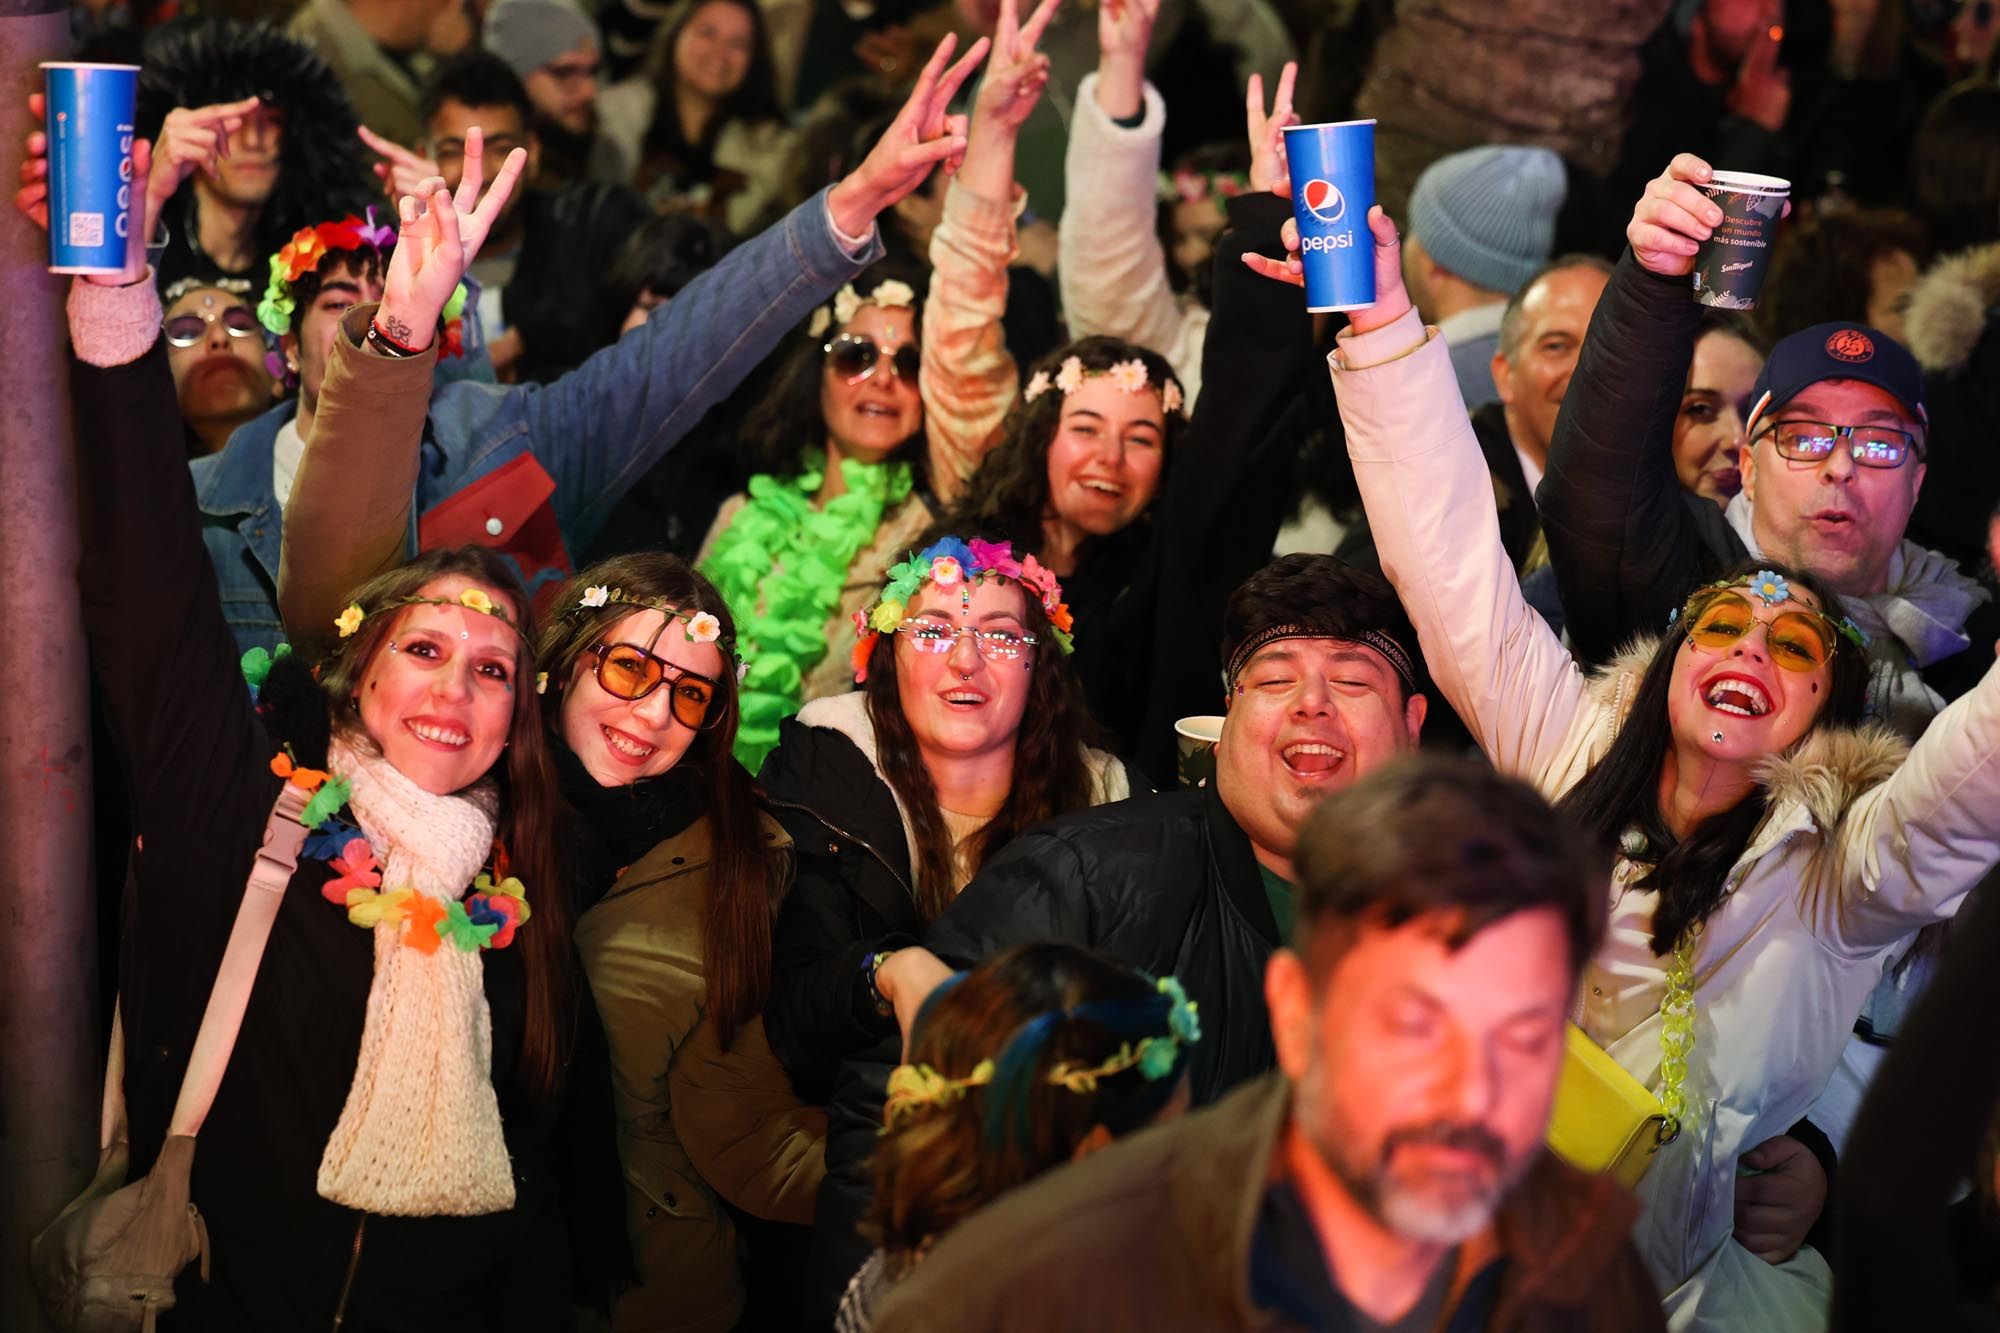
(1949, 308)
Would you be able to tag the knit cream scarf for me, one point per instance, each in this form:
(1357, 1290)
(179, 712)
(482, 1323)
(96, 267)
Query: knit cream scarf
(420, 1135)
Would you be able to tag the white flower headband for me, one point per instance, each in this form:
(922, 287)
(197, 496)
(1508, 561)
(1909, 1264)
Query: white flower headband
(890, 293)
(1127, 376)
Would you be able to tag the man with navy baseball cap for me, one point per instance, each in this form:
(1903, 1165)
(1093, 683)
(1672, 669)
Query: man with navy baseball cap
(1832, 459)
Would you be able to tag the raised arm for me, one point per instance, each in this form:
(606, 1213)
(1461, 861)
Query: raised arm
(1621, 536)
(348, 516)
(1429, 499)
(1910, 848)
(969, 380)
(1112, 267)
(603, 426)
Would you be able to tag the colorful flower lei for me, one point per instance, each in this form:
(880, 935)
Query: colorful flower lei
(1129, 376)
(952, 563)
(890, 293)
(310, 246)
(781, 565)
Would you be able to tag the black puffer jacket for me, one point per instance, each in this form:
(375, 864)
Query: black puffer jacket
(851, 895)
(1628, 544)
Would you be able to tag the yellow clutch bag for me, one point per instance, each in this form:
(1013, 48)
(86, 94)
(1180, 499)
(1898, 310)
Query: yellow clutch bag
(1605, 1121)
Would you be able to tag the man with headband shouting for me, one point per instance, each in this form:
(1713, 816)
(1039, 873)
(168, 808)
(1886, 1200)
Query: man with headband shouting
(1320, 674)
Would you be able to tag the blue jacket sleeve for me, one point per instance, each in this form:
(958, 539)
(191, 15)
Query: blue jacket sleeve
(600, 428)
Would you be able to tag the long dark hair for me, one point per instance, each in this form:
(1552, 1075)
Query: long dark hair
(1622, 790)
(322, 168)
(1050, 775)
(528, 800)
(743, 887)
(943, 1164)
(1009, 495)
(755, 100)
(789, 422)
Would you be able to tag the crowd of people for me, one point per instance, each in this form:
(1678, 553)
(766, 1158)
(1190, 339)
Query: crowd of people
(713, 516)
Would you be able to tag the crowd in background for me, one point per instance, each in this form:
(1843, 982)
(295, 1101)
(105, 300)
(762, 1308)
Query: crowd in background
(732, 508)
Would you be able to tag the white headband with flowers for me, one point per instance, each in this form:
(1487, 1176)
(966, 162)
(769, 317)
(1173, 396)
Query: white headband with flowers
(890, 293)
(1127, 376)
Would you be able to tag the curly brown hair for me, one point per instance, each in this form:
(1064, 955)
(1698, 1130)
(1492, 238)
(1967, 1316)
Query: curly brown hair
(528, 799)
(942, 1164)
(743, 890)
(1009, 494)
(1051, 776)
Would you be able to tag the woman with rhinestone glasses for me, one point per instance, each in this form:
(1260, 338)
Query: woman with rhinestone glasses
(1775, 856)
(884, 410)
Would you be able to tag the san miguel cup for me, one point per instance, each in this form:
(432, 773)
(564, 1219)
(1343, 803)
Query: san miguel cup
(90, 114)
(1333, 187)
(1729, 266)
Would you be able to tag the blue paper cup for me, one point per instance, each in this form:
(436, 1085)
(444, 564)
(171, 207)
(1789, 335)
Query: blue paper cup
(90, 165)
(1333, 187)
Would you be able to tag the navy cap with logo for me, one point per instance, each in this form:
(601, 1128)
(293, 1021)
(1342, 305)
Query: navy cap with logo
(1836, 351)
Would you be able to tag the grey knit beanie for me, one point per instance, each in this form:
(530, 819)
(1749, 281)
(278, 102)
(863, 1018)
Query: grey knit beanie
(1489, 214)
(528, 34)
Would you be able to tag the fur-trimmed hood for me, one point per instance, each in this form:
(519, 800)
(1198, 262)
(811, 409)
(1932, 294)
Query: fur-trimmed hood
(1824, 774)
(1951, 306)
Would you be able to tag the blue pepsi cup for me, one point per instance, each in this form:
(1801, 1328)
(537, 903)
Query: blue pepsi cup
(91, 191)
(1333, 187)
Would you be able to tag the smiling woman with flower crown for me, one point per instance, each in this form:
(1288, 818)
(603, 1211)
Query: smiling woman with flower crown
(887, 406)
(1776, 856)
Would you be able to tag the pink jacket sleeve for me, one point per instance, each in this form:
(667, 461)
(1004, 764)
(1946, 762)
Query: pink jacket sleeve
(968, 380)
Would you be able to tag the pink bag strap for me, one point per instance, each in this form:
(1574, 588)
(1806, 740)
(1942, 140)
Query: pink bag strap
(269, 874)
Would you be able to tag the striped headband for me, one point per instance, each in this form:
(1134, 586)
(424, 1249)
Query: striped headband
(1380, 642)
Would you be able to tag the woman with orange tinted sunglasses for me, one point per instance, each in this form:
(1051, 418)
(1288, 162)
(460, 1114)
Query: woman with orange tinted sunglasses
(676, 871)
(1776, 853)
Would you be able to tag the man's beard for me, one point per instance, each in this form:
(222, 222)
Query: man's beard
(1441, 1209)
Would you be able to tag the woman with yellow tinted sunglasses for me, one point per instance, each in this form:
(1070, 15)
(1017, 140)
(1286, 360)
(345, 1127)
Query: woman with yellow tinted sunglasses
(1776, 853)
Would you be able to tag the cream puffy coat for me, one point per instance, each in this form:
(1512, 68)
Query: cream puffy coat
(1858, 851)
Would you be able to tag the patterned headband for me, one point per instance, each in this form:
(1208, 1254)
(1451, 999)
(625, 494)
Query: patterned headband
(1375, 639)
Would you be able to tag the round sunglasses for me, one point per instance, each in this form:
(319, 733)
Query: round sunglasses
(856, 356)
(189, 329)
(1800, 640)
(627, 671)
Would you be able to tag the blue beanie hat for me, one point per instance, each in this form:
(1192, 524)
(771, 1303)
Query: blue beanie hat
(1489, 214)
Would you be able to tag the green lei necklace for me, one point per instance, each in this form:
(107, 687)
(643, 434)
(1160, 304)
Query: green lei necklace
(781, 565)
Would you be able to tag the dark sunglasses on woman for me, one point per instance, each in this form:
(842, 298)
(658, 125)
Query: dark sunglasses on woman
(856, 356)
(627, 671)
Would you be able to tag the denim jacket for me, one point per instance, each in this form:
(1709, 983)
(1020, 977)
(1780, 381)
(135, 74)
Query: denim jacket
(593, 433)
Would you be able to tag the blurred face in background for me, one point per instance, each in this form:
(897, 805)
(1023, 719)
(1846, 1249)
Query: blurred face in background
(247, 173)
(712, 54)
(444, 139)
(564, 91)
(215, 348)
(1533, 375)
(1890, 279)
(1708, 431)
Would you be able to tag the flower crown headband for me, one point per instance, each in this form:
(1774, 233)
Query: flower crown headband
(890, 293)
(1771, 588)
(913, 1088)
(952, 563)
(1127, 376)
(310, 246)
(472, 599)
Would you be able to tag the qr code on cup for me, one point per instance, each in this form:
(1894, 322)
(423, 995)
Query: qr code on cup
(86, 229)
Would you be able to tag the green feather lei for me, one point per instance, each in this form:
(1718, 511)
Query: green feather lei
(781, 565)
